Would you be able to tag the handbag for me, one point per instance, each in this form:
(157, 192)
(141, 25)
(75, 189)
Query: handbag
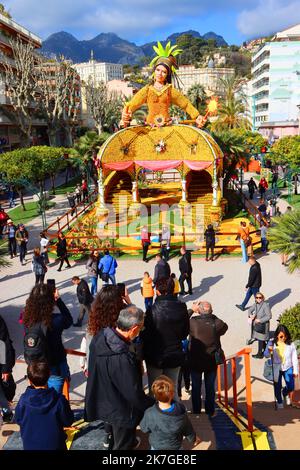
(219, 354)
(259, 327)
(9, 388)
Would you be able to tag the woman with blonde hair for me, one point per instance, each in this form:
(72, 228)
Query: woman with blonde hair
(259, 317)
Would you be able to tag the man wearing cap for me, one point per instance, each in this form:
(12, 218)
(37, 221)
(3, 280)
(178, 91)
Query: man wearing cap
(22, 239)
(10, 231)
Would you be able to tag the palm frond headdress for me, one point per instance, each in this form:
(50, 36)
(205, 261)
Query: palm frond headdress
(166, 55)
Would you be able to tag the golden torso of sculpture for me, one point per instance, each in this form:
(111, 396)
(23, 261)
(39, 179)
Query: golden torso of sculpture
(159, 102)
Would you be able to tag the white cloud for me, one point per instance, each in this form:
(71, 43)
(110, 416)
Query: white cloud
(269, 16)
(129, 18)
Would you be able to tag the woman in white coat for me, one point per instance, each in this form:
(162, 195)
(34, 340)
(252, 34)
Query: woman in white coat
(284, 353)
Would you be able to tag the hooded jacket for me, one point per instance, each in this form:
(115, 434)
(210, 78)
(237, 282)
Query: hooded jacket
(166, 325)
(42, 414)
(114, 390)
(148, 290)
(167, 429)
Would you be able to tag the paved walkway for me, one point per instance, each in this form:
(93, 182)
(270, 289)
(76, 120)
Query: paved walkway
(222, 283)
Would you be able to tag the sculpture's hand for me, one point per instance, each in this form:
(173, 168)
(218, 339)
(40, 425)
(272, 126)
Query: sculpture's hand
(126, 117)
(200, 121)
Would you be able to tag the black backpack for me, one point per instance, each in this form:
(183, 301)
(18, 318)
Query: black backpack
(35, 344)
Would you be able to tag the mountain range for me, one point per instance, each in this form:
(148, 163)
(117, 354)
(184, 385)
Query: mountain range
(108, 47)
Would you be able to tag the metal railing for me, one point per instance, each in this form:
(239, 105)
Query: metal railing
(223, 398)
(251, 208)
(70, 216)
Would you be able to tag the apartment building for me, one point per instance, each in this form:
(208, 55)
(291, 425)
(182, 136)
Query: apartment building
(276, 84)
(9, 132)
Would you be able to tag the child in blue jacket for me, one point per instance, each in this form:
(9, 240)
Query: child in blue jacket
(42, 413)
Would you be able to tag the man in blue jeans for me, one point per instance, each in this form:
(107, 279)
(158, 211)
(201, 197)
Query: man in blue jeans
(254, 282)
(205, 332)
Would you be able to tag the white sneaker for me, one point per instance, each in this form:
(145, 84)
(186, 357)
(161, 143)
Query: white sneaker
(280, 406)
(288, 400)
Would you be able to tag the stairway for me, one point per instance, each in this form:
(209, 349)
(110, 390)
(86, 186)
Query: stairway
(120, 194)
(200, 192)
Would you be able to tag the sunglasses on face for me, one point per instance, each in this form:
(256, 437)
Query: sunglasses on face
(281, 336)
(258, 298)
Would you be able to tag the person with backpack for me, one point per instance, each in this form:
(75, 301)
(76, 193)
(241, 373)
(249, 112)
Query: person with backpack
(107, 268)
(45, 318)
(7, 362)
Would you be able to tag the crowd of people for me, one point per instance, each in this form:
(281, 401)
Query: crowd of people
(135, 360)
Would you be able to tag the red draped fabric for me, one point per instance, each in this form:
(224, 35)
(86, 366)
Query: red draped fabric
(198, 166)
(119, 165)
(158, 165)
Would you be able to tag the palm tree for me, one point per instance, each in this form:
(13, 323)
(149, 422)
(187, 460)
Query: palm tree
(284, 237)
(233, 148)
(233, 111)
(197, 96)
(85, 150)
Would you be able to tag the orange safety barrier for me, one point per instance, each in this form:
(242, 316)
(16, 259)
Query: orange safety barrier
(223, 399)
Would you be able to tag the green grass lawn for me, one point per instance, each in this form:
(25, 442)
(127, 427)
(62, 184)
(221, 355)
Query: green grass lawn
(69, 187)
(18, 215)
(295, 200)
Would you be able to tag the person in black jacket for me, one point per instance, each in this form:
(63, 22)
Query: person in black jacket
(61, 251)
(185, 268)
(253, 284)
(166, 325)
(7, 362)
(162, 269)
(84, 296)
(205, 332)
(114, 390)
(55, 317)
(210, 240)
(252, 186)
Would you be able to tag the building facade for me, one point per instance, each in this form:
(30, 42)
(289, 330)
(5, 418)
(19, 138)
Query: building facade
(99, 71)
(208, 77)
(9, 131)
(276, 84)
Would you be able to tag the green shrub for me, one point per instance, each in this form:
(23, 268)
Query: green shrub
(291, 319)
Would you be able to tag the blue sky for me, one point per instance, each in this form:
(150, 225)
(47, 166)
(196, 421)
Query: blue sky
(143, 21)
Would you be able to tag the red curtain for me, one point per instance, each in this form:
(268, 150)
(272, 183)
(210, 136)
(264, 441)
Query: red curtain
(118, 165)
(158, 165)
(198, 166)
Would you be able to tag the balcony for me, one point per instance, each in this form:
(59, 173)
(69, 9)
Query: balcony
(18, 29)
